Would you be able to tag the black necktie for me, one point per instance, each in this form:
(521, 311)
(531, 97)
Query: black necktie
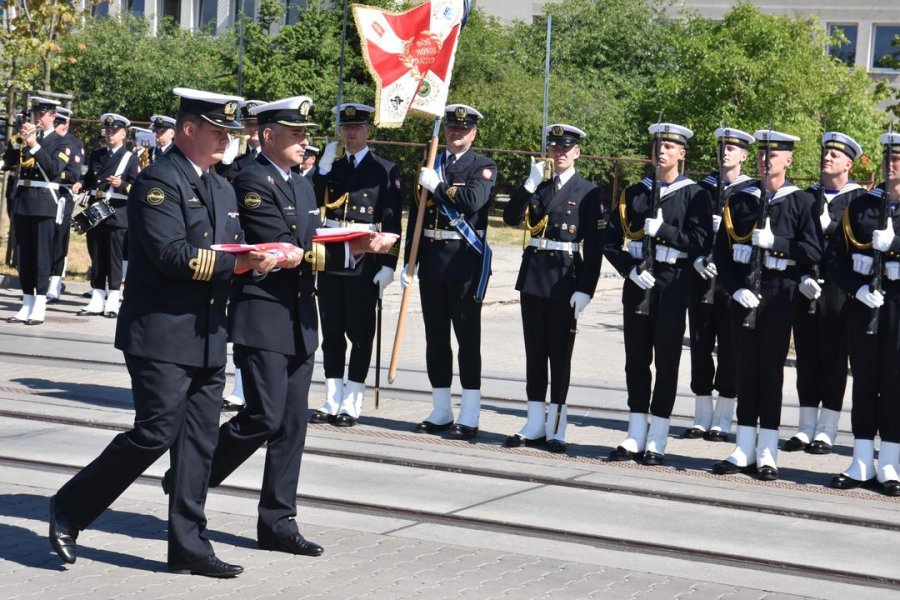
(556, 183)
(40, 136)
(206, 180)
(352, 159)
(451, 160)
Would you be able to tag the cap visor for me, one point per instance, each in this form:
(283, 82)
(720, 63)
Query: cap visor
(223, 123)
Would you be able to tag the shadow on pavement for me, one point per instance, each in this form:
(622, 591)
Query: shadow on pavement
(87, 393)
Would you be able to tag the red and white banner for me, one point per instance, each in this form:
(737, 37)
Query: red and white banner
(410, 55)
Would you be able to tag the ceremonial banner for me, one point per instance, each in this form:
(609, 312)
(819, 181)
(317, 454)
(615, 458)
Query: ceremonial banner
(410, 56)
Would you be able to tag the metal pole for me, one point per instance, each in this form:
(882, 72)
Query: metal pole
(240, 65)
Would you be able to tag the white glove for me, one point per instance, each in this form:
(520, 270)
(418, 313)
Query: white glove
(892, 270)
(328, 156)
(231, 150)
(825, 218)
(643, 280)
(810, 288)
(636, 249)
(706, 270)
(868, 297)
(862, 264)
(429, 179)
(882, 238)
(579, 302)
(776, 264)
(383, 278)
(741, 253)
(763, 238)
(746, 298)
(717, 221)
(405, 279)
(535, 176)
(651, 226)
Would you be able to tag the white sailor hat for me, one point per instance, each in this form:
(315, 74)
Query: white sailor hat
(311, 150)
(671, 132)
(110, 120)
(774, 140)
(246, 106)
(462, 115)
(735, 137)
(38, 104)
(560, 134)
(218, 109)
(63, 114)
(892, 141)
(842, 142)
(291, 112)
(353, 112)
(161, 122)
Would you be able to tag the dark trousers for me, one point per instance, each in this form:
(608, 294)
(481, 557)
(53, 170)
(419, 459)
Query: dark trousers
(547, 324)
(276, 390)
(761, 353)
(347, 312)
(61, 241)
(820, 340)
(34, 240)
(656, 338)
(177, 409)
(106, 246)
(875, 362)
(711, 324)
(445, 303)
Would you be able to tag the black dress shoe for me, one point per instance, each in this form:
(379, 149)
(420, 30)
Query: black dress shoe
(556, 446)
(429, 427)
(794, 444)
(15, 320)
(891, 488)
(52, 300)
(619, 454)
(818, 447)
(514, 441)
(652, 459)
(296, 544)
(34, 322)
(320, 416)
(767, 473)
(843, 482)
(344, 420)
(111, 314)
(692, 433)
(726, 467)
(85, 313)
(463, 431)
(87, 294)
(715, 435)
(166, 482)
(231, 406)
(210, 566)
(62, 535)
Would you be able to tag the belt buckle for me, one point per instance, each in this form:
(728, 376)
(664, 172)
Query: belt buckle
(27, 182)
(542, 244)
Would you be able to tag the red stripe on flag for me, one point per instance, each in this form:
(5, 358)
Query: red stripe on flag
(408, 24)
(386, 64)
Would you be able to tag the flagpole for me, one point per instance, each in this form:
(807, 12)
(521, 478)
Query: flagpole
(340, 90)
(413, 255)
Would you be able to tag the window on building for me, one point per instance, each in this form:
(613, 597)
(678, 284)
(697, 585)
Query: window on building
(247, 6)
(207, 14)
(886, 47)
(136, 7)
(100, 10)
(292, 10)
(846, 52)
(172, 10)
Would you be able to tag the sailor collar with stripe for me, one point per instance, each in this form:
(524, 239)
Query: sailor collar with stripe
(785, 190)
(832, 194)
(665, 189)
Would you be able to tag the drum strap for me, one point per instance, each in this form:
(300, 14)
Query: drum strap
(120, 168)
(60, 202)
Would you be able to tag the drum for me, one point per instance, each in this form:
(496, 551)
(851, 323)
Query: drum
(92, 216)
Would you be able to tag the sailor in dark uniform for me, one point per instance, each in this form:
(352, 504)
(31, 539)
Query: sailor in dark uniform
(874, 352)
(682, 230)
(820, 337)
(307, 167)
(273, 322)
(359, 190)
(164, 130)
(791, 243)
(172, 331)
(67, 179)
(453, 267)
(555, 282)
(39, 207)
(244, 148)
(710, 322)
(110, 173)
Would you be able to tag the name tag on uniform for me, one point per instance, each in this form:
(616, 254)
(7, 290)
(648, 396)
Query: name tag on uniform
(290, 210)
(194, 203)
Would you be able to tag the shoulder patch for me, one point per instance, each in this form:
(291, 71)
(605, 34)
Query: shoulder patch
(63, 156)
(487, 174)
(252, 200)
(155, 197)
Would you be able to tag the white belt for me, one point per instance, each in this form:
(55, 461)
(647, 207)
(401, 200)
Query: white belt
(679, 254)
(542, 244)
(444, 234)
(102, 194)
(37, 184)
(353, 226)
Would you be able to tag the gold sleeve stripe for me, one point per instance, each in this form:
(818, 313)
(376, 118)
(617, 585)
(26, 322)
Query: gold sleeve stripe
(203, 265)
(395, 249)
(316, 257)
(63, 157)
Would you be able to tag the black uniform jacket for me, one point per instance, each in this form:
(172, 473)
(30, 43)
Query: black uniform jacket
(710, 183)
(468, 187)
(53, 157)
(177, 287)
(278, 312)
(854, 236)
(231, 171)
(687, 226)
(372, 196)
(836, 207)
(798, 235)
(101, 166)
(573, 213)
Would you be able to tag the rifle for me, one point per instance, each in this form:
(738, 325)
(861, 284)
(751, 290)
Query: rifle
(548, 164)
(649, 250)
(877, 257)
(710, 294)
(822, 203)
(754, 278)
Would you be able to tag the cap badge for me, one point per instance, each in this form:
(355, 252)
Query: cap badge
(304, 108)
(461, 113)
(110, 121)
(350, 112)
(230, 109)
(557, 131)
